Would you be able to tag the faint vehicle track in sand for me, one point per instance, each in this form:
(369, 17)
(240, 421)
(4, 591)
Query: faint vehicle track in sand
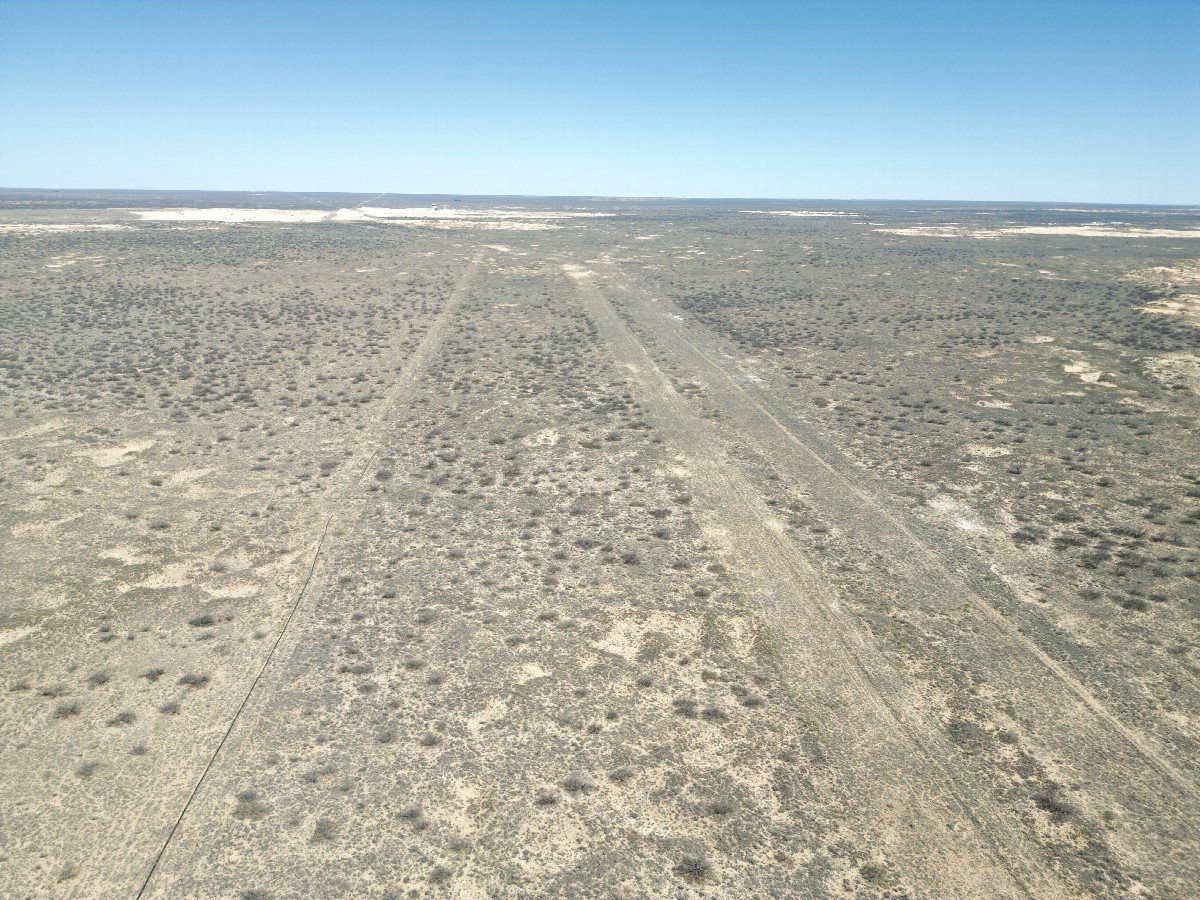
(887, 754)
(329, 510)
(1117, 764)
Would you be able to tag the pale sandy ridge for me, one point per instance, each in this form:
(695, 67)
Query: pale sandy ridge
(224, 214)
(956, 231)
(808, 213)
(359, 214)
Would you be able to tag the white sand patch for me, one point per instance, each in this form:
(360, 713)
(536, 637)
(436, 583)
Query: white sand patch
(955, 231)
(55, 478)
(1173, 367)
(428, 212)
(547, 437)
(625, 637)
(987, 451)
(958, 512)
(112, 456)
(980, 234)
(240, 560)
(173, 576)
(529, 672)
(1176, 284)
(224, 214)
(71, 260)
(43, 526)
(412, 212)
(232, 590)
(126, 556)
(187, 476)
(806, 213)
(938, 231)
(41, 228)
(568, 836)
(577, 271)
(496, 710)
(994, 404)
(456, 817)
(622, 640)
(40, 428)
(514, 226)
(1038, 339)
(1170, 276)
(10, 635)
(776, 526)
(1086, 373)
(507, 219)
(1077, 627)
(1105, 231)
(1181, 719)
(1186, 306)
(477, 224)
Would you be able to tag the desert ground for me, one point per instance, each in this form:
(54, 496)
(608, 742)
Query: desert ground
(516, 548)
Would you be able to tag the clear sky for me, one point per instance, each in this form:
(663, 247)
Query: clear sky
(970, 100)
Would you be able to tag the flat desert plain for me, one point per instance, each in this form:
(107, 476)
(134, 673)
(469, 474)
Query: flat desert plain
(393, 547)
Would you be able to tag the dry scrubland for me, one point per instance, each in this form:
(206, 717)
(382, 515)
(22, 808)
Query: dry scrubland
(597, 550)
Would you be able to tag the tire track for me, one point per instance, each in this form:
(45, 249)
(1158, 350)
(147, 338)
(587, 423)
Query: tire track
(1117, 765)
(330, 510)
(233, 722)
(413, 369)
(888, 756)
(889, 534)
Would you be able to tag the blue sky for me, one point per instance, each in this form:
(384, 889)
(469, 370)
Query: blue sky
(966, 100)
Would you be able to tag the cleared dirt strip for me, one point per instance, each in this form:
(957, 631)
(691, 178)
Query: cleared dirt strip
(1117, 765)
(890, 759)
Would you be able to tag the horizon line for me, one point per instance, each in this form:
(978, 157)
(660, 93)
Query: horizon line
(598, 197)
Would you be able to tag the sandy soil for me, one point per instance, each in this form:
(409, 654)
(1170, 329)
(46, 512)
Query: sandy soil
(232, 215)
(487, 219)
(1105, 231)
(51, 228)
(802, 213)
(771, 558)
(954, 231)
(421, 212)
